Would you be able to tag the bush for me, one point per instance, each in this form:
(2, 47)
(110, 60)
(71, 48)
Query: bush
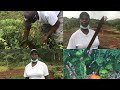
(99, 61)
(3, 68)
(118, 27)
(58, 75)
(57, 72)
(12, 30)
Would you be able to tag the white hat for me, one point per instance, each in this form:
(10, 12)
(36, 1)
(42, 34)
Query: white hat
(33, 50)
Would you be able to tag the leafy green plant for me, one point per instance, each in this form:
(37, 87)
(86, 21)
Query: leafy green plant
(58, 75)
(12, 30)
(103, 73)
(101, 61)
(16, 77)
(3, 68)
(53, 71)
(57, 72)
(3, 44)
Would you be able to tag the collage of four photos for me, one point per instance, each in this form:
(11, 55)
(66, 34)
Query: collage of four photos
(59, 44)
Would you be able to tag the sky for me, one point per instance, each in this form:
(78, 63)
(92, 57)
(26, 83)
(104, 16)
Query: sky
(93, 14)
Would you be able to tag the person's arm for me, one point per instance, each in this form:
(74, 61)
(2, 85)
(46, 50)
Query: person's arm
(27, 26)
(46, 72)
(26, 77)
(27, 29)
(51, 31)
(46, 77)
(25, 74)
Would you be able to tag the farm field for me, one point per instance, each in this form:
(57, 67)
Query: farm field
(12, 31)
(13, 62)
(55, 72)
(109, 38)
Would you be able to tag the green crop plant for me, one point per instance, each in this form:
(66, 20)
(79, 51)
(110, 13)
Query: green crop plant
(101, 61)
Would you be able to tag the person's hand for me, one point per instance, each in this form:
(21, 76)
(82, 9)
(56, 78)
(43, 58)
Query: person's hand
(45, 39)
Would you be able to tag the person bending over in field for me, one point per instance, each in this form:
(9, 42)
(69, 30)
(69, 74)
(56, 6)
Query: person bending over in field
(52, 25)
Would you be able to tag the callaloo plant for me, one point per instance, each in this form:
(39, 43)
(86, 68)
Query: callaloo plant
(11, 32)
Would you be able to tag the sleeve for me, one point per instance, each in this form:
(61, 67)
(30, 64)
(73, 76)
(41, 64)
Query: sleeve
(25, 74)
(71, 44)
(97, 37)
(52, 18)
(46, 70)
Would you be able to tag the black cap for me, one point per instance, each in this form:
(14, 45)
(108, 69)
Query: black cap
(33, 50)
(84, 13)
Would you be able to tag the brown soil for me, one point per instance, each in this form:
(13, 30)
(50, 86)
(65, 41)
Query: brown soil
(11, 73)
(17, 72)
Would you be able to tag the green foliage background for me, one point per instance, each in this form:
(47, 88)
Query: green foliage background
(12, 29)
(21, 57)
(105, 62)
(70, 23)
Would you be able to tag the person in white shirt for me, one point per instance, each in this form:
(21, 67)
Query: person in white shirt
(52, 25)
(82, 37)
(36, 69)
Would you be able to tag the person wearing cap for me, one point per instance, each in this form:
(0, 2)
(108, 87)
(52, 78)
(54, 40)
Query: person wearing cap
(82, 37)
(52, 25)
(36, 69)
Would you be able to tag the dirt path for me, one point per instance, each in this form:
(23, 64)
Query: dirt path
(11, 73)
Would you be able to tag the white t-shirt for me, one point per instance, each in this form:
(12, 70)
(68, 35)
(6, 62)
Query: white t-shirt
(48, 17)
(36, 72)
(79, 40)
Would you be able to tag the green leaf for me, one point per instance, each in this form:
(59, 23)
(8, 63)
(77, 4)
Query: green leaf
(103, 73)
(100, 60)
(109, 67)
(82, 68)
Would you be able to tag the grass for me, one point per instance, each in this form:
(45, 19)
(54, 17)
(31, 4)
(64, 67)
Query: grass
(58, 75)
(3, 68)
(16, 72)
(10, 14)
(20, 67)
(16, 77)
(3, 63)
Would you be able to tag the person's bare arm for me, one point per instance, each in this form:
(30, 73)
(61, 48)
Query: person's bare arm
(46, 77)
(26, 77)
(27, 26)
(51, 31)
(27, 29)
